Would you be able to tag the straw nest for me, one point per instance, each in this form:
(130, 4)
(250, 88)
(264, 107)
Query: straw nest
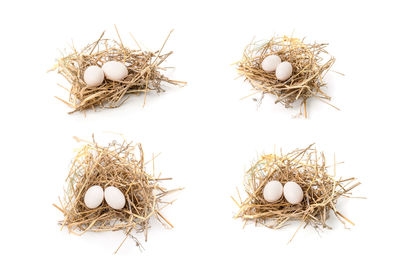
(144, 74)
(310, 63)
(307, 168)
(120, 165)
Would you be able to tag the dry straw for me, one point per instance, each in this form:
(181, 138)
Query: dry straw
(120, 165)
(310, 64)
(307, 168)
(144, 73)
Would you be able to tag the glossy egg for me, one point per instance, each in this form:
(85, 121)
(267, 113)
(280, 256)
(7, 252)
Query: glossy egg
(114, 197)
(293, 193)
(273, 191)
(115, 71)
(284, 71)
(94, 197)
(93, 76)
(270, 63)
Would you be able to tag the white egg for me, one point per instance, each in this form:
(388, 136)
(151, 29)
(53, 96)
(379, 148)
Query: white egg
(284, 71)
(273, 191)
(115, 71)
(270, 63)
(114, 197)
(94, 197)
(93, 76)
(293, 193)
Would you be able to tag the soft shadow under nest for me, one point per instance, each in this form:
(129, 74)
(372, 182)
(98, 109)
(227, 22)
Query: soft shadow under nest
(307, 168)
(120, 165)
(310, 64)
(144, 74)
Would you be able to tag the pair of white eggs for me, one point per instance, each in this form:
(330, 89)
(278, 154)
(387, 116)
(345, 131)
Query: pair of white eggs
(291, 191)
(283, 70)
(112, 70)
(94, 197)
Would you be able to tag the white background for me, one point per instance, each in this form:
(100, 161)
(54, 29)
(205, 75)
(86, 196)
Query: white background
(208, 136)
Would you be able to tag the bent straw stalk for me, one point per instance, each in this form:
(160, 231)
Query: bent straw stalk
(120, 165)
(308, 169)
(144, 74)
(309, 69)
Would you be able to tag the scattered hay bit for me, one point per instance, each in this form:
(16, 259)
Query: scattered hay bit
(309, 69)
(307, 168)
(144, 74)
(120, 165)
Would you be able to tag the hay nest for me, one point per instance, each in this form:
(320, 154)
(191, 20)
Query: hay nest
(307, 168)
(144, 74)
(120, 165)
(310, 64)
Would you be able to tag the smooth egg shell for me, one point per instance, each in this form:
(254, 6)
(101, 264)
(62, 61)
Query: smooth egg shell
(270, 63)
(115, 71)
(114, 197)
(93, 76)
(284, 71)
(273, 191)
(293, 193)
(93, 197)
